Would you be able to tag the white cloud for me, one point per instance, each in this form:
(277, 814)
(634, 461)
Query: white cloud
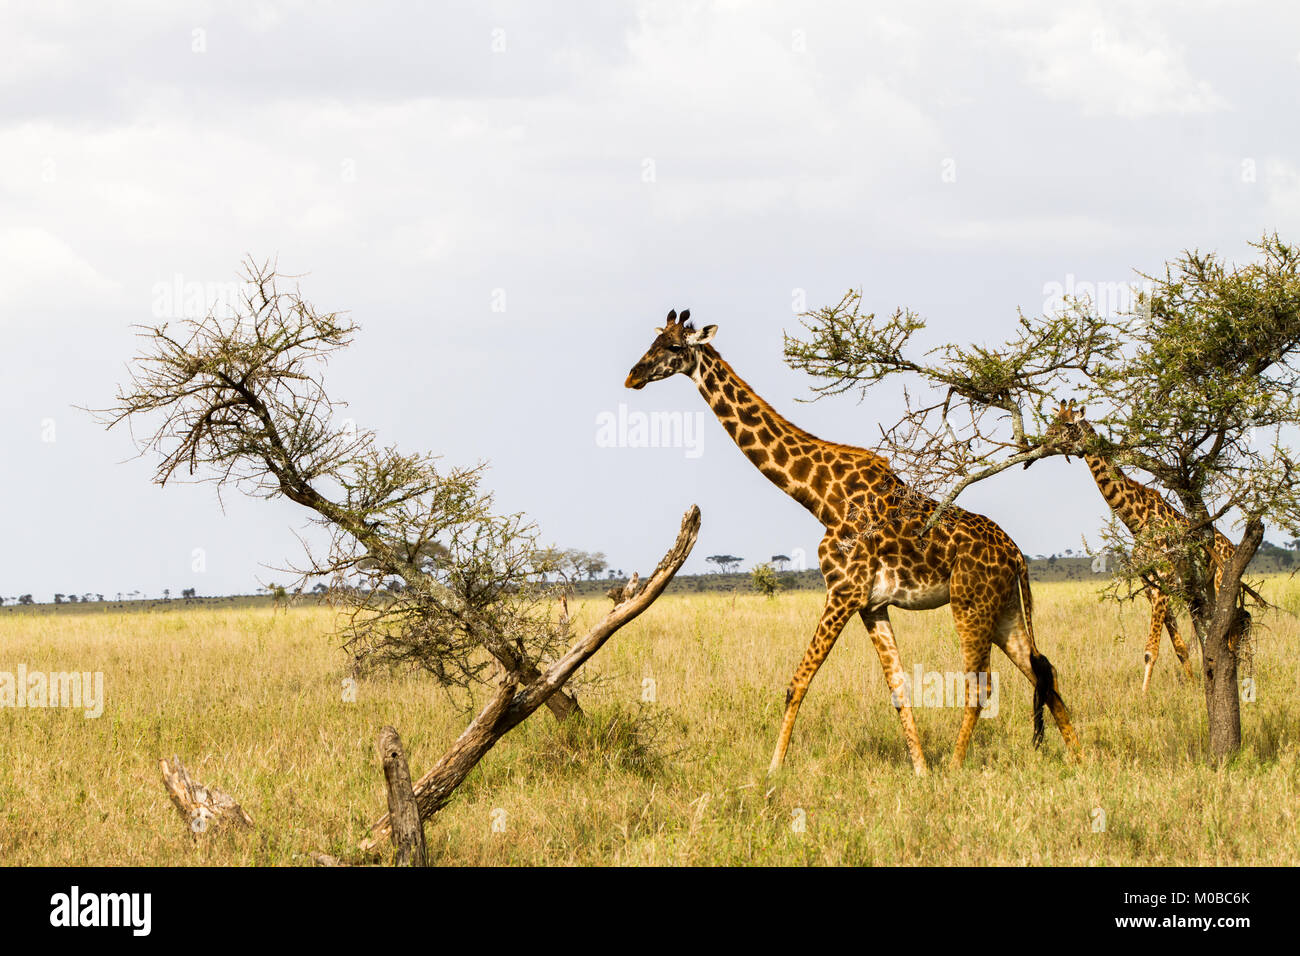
(1280, 179)
(1111, 66)
(389, 152)
(42, 274)
(1073, 233)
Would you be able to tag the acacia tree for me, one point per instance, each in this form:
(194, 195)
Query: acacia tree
(1195, 386)
(727, 563)
(429, 574)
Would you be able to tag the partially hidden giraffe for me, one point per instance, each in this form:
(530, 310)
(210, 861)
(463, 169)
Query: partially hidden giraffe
(873, 556)
(1140, 507)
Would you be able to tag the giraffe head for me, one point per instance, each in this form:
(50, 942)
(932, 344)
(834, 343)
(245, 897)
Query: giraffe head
(1069, 432)
(675, 349)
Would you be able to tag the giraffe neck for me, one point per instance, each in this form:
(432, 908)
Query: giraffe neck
(1137, 505)
(791, 458)
(1130, 500)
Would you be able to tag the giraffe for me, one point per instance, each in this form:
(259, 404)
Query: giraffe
(1140, 507)
(872, 555)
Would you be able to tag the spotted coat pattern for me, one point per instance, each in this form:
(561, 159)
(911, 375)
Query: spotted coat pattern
(1140, 507)
(873, 556)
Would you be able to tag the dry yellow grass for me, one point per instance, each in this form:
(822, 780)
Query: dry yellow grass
(252, 701)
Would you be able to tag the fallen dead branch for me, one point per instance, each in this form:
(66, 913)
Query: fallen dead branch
(201, 807)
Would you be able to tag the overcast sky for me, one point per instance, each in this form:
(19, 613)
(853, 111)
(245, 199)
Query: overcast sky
(508, 197)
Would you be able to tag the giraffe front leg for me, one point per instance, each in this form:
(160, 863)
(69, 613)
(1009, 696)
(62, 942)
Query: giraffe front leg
(882, 636)
(834, 617)
(1159, 608)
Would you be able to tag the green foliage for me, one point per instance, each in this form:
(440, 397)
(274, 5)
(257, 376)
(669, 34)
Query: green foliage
(1212, 382)
(763, 579)
(852, 349)
(1196, 386)
(985, 405)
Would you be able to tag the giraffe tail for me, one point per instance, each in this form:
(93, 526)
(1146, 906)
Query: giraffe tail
(1044, 690)
(1044, 676)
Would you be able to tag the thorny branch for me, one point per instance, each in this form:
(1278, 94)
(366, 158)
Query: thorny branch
(428, 574)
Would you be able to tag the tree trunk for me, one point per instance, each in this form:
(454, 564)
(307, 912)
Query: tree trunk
(1229, 621)
(522, 670)
(564, 705)
(408, 830)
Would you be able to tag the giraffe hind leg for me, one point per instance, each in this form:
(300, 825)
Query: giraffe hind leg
(1018, 643)
(975, 657)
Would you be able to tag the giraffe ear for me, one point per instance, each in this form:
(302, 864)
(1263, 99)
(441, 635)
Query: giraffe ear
(703, 335)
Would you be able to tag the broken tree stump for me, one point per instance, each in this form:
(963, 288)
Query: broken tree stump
(403, 812)
(201, 807)
(625, 592)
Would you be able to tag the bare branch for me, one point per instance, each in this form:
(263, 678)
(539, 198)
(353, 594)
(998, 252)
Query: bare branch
(510, 704)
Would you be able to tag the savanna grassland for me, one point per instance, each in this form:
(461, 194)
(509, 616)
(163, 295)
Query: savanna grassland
(252, 700)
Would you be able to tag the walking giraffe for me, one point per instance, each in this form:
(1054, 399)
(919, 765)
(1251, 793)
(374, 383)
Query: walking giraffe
(1140, 507)
(873, 555)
